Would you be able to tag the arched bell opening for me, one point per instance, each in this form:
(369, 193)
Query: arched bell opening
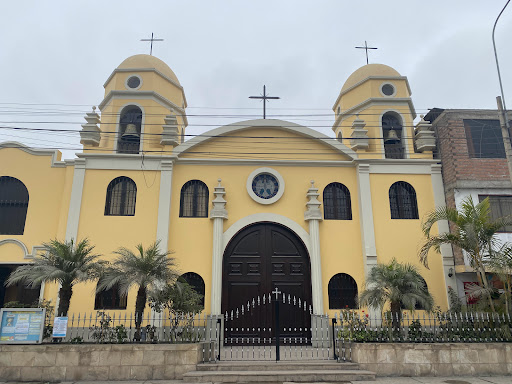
(130, 128)
(392, 131)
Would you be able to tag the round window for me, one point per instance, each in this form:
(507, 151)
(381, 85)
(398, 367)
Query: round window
(388, 89)
(265, 185)
(133, 82)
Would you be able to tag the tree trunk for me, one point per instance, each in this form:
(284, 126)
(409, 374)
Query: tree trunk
(396, 317)
(65, 293)
(140, 304)
(483, 281)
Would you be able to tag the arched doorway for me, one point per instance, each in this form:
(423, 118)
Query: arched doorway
(258, 259)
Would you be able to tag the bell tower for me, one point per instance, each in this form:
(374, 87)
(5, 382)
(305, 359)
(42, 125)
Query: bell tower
(374, 114)
(143, 110)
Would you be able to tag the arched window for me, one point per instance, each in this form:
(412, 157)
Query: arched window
(392, 131)
(337, 205)
(121, 196)
(13, 206)
(196, 282)
(130, 125)
(342, 292)
(194, 199)
(402, 201)
(110, 299)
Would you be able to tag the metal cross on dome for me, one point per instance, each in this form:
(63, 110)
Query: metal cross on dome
(366, 48)
(152, 39)
(264, 97)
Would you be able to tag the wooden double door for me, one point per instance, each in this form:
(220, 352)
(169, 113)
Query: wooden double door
(259, 259)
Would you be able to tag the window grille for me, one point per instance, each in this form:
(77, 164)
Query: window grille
(121, 196)
(194, 199)
(337, 204)
(110, 299)
(501, 206)
(196, 282)
(13, 206)
(402, 201)
(342, 291)
(484, 138)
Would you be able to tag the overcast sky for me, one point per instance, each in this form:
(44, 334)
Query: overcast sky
(56, 55)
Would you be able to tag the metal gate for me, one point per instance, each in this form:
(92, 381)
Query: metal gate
(276, 326)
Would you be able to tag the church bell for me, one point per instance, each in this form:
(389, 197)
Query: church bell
(391, 137)
(130, 133)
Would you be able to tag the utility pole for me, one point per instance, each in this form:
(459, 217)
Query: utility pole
(502, 108)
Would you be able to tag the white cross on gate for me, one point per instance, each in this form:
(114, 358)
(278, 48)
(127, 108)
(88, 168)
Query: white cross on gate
(276, 292)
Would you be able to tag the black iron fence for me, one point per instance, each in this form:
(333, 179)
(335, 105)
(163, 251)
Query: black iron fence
(418, 327)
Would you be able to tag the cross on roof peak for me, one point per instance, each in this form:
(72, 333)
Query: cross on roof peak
(152, 39)
(366, 48)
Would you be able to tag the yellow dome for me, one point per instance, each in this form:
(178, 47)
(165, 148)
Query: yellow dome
(148, 61)
(366, 71)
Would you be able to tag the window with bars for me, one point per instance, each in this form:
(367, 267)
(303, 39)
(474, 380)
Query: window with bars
(196, 282)
(194, 199)
(336, 200)
(13, 206)
(501, 206)
(121, 196)
(110, 299)
(342, 291)
(484, 138)
(402, 201)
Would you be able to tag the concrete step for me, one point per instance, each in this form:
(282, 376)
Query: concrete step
(309, 376)
(276, 366)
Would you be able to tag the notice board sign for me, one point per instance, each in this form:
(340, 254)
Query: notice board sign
(60, 327)
(21, 325)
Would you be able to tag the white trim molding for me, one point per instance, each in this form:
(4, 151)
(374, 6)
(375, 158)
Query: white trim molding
(35, 249)
(270, 123)
(270, 171)
(144, 95)
(75, 201)
(36, 152)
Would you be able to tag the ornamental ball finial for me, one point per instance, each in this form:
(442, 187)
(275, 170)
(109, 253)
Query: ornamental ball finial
(93, 108)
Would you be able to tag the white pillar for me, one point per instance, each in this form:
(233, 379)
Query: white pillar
(218, 215)
(442, 225)
(75, 201)
(366, 218)
(164, 204)
(314, 215)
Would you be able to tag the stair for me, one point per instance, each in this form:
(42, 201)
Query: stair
(277, 372)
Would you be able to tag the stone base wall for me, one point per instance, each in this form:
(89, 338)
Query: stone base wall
(69, 362)
(450, 359)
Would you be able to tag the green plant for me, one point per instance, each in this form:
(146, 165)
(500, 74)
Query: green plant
(105, 333)
(147, 268)
(453, 298)
(399, 284)
(62, 262)
(473, 231)
(76, 340)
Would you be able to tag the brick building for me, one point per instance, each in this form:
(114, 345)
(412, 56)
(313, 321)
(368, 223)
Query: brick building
(470, 146)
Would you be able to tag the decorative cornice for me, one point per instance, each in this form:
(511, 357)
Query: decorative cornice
(372, 78)
(290, 163)
(127, 94)
(172, 81)
(372, 101)
(270, 123)
(36, 152)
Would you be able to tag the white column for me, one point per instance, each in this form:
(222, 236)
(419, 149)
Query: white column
(164, 204)
(442, 226)
(366, 217)
(218, 215)
(314, 215)
(75, 201)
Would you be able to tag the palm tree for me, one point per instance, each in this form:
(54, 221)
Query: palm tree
(473, 231)
(500, 263)
(399, 284)
(148, 269)
(62, 262)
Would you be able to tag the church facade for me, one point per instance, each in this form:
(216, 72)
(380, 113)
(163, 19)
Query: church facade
(245, 208)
